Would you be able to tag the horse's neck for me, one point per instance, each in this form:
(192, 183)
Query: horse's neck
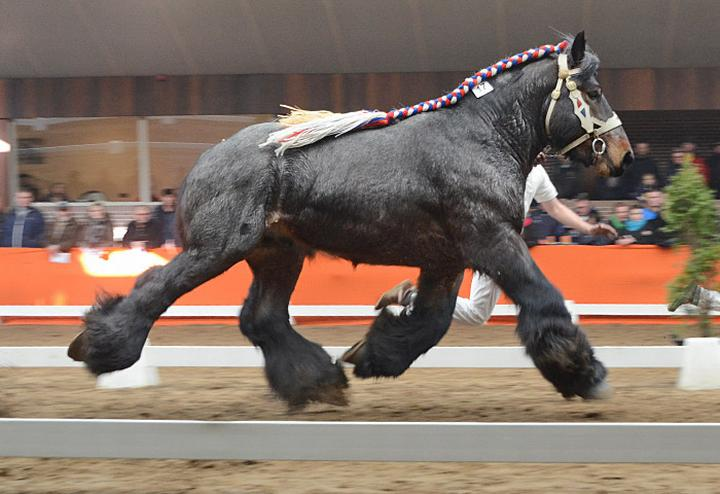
(517, 113)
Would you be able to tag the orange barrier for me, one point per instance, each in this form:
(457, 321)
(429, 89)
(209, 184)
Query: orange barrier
(587, 275)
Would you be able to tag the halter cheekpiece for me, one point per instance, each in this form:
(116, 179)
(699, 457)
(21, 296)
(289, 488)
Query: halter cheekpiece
(593, 126)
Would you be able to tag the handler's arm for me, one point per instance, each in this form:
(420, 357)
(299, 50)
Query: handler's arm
(567, 217)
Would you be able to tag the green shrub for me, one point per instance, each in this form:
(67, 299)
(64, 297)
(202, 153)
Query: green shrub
(691, 217)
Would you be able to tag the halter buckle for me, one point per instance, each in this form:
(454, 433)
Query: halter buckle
(603, 146)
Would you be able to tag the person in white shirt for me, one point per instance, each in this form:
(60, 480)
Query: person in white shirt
(484, 293)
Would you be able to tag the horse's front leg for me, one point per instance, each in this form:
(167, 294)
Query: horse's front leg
(559, 349)
(395, 341)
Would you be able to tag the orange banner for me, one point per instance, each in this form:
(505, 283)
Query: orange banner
(587, 275)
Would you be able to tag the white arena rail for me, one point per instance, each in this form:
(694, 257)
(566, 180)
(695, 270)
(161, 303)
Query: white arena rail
(446, 357)
(363, 441)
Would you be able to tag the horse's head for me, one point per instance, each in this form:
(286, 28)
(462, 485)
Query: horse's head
(579, 120)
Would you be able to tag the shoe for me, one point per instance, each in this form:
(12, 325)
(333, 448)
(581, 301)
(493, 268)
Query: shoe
(396, 295)
(691, 295)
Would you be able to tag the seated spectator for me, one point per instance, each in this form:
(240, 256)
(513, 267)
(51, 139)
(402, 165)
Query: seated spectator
(565, 175)
(584, 209)
(641, 231)
(143, 230)
(98, 230)
(653, 201)
(677, 158)
(642, 165)
(540, 227)
(714, 170)
(619, 216)
(57, 193)
(686, 154)
(164, 215)
(648, 183)
(690, 151)
(64, 232)
(24, 225)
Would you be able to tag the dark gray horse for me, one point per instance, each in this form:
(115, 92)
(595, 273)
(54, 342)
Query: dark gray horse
(442, 191)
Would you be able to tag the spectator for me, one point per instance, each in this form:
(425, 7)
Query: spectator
(584, 209)
(653, 201)
(642, 165)
(98, 228)
(620, 215)
(586, 212)
(143, 230)
(64, 232)
(24, 226)
(57, 193)
(540, 227)
(689, 150)
(714, 170)
(164, 215)
(677, 158)
(648, 183)
(565, 176)
(640, 231)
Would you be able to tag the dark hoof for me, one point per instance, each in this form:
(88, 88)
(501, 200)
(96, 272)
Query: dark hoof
(78, 348)
(330, 395)
(326, 384)
(601, 391)
(355, 353)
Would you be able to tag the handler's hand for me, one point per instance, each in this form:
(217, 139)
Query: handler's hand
(603, 230)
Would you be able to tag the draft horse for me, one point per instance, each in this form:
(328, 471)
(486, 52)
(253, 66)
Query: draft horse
(442, 191)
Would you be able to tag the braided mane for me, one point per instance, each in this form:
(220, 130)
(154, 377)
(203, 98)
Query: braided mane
(304, 127)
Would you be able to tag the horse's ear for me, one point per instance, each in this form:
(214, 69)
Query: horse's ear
(577, 52)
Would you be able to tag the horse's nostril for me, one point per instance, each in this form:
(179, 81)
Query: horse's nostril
(628, 158)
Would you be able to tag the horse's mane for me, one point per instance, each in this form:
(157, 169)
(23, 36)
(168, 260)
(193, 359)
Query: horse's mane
(304, 127)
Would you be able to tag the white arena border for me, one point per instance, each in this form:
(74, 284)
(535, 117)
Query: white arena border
(363, 441)
(332, 310)
(478, 357)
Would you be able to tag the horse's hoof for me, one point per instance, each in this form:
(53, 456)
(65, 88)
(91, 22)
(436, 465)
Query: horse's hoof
(333, 395)
(601, 391)
(330, 395)
(78, 348)
(355, 353)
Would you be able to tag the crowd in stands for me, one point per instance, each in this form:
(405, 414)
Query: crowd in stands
(25, 226)
(638, 196)
(636, 215)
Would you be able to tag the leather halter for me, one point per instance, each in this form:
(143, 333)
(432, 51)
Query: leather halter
(593, 127)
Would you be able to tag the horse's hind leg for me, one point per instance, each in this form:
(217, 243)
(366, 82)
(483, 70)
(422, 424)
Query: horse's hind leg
(394, 342)
(116, 327)
(298, 370)
(559, 349)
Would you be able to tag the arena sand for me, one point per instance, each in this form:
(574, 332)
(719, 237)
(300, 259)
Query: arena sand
(419, 395)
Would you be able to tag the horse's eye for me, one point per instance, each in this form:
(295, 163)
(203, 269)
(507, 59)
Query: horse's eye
(595, 93)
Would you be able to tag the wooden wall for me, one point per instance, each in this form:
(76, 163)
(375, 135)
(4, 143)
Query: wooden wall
(627, 89)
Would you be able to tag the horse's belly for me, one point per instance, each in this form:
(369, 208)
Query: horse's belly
(399, 244)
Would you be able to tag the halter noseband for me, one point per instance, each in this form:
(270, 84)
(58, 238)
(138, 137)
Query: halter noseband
(593, 127)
